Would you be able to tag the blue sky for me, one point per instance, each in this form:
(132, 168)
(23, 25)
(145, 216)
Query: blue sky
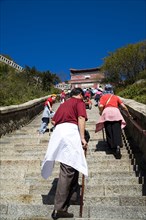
(57, 35)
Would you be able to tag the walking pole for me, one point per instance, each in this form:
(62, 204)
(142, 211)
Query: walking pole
(82, 192)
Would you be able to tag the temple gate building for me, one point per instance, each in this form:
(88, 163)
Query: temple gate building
(86, 78)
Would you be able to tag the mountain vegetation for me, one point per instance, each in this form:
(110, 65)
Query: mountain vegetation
(19, 87)
(124, 67)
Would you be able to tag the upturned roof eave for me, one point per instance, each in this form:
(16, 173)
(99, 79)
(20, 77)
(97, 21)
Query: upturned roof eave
(84, 70)
(84, 81)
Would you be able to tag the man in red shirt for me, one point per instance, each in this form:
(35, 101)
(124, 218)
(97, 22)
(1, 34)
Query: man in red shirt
(66, 146)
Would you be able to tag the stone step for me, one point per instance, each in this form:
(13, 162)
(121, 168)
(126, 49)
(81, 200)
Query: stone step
(19, 162)
(115, 200)
(33, 140)
(89, 212)
(111, 173)
(112, 181)
(77, 219)
(44, 142)
(30, 173)
(16, 189)
(49, 218)
(48, 199)
(39, 154)
(96, 151)
(117, 190)
(13, 139)
(25, 156)
(100, 190)
(35, 187)
(99, 179)
(108, 160)
(16, 151)
(113, 186)
(88, 182)
(12, 146)
(103, 159)
(92, 173)
(112, 164)
(104, 163)
(110, 168)
(33, 134)
(36, 175)
(124, 212)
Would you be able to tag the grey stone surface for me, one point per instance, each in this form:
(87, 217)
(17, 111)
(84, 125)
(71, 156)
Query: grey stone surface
(112, 190)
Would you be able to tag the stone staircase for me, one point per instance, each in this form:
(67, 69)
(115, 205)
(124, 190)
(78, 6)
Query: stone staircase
(115, 190)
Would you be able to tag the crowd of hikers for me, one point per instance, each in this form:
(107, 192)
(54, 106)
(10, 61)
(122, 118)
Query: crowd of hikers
(68, 142)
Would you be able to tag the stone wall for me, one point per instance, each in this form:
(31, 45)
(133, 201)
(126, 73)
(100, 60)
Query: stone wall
(15, 116)
(136, 128)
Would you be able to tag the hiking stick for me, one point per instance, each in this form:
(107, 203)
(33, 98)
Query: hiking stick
(82, 192)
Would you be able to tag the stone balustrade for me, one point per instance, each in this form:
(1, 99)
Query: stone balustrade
(136, 127)
(15, 116)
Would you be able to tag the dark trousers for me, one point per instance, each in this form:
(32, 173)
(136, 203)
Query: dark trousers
(113, 133)
(67, 187)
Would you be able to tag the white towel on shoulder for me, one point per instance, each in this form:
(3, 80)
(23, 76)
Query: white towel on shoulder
(65, 146)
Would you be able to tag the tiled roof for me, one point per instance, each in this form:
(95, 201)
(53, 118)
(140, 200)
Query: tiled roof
(84, 70)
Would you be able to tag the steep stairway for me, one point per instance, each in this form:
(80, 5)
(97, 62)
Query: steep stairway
(113, 191)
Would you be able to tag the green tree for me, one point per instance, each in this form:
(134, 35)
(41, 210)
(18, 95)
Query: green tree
(17, 88)
(49, 79)
(125, 62)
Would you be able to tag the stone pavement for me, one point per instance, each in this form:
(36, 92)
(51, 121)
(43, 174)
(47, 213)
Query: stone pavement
(112, 191)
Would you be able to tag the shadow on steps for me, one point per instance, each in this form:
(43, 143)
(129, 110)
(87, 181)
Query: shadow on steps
(49, 198)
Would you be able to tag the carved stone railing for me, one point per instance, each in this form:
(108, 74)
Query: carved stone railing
(15, 116)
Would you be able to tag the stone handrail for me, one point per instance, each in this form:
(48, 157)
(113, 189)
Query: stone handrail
(15, 116)
(136, 127)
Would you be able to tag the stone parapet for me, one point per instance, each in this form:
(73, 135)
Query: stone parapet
(136, 127)
(138, 111)
(15, 116)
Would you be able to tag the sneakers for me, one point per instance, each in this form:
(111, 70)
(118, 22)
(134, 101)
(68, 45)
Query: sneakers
(118, 154)
(61, 214)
